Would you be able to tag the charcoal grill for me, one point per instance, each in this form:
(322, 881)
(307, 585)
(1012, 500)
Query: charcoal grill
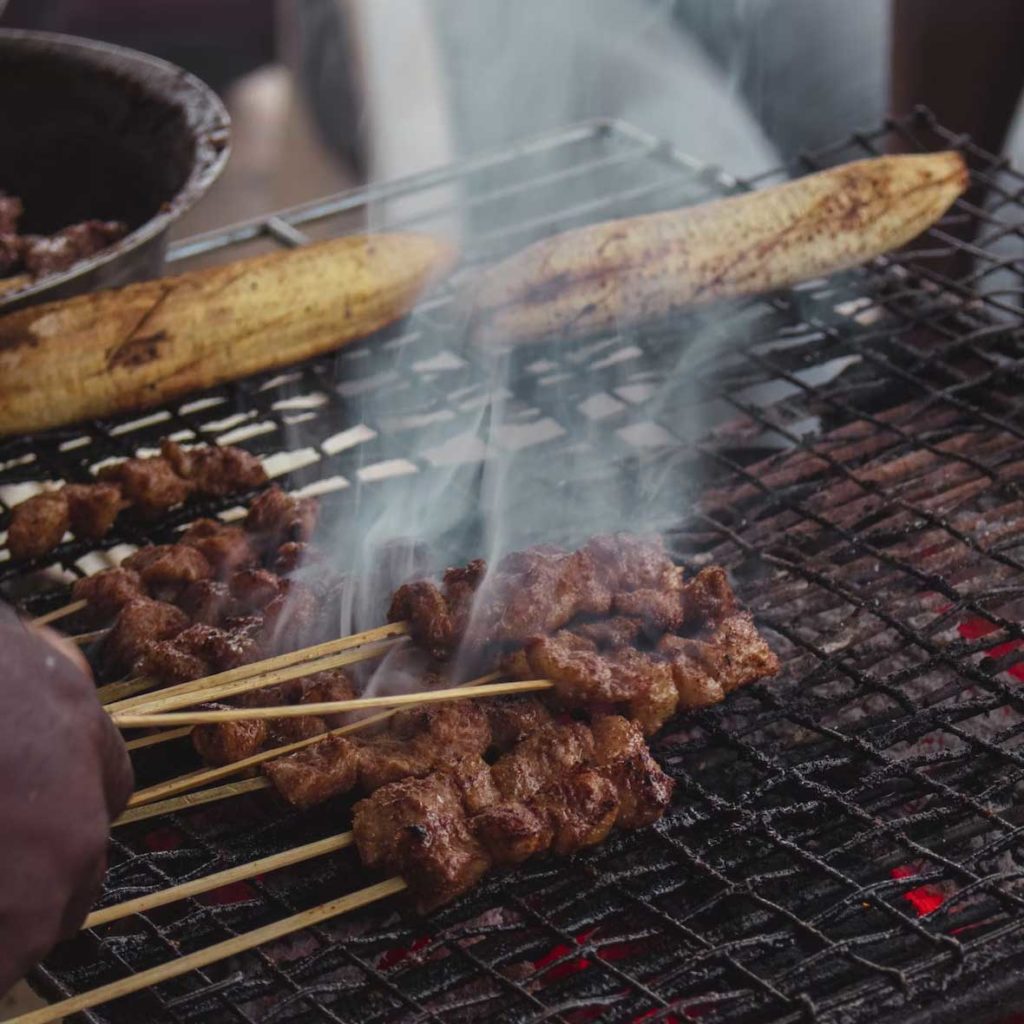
(845, 843)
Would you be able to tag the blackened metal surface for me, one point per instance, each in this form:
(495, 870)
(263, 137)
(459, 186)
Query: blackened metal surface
(845, 841)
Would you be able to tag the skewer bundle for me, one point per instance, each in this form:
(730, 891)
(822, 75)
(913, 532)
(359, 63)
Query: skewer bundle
(613, 627)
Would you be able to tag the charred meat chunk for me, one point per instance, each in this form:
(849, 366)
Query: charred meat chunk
(254, 589)
(413, 744)
(225, 547)
(140, 622)
(432, 623)
(93, 508)
(316, 773)
(151, 485)
(293, 618)
(622, 756)
(584, 675)
(214, 469)
(199, 651)
(733, 655)
(275, 518)
(512, 719)
(166, 569)
(38, 524)
(207, 601)
(543, 589)
(420, 828)
(107, 592)
(442, 832)
(708, 599)
(552, 752)
(227, 742)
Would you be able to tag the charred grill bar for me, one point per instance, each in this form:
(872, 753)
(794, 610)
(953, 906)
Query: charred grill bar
(843, 843)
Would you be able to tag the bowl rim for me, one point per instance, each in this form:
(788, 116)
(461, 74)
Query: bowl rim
(205, 114)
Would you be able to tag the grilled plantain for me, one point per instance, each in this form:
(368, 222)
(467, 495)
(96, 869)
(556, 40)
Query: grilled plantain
(640, 269)
(139, 346)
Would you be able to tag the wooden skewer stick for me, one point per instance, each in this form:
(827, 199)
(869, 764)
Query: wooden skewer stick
(189, 800)
(158, 737)
(157, 704)
(59, 613)
(333, 707)
(87, 638)
(211, 954)
(227, 877)
(169, 695)
(193, 780)
(111, 693)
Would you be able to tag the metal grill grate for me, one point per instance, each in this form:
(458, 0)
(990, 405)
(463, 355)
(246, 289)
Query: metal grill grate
(844, 844)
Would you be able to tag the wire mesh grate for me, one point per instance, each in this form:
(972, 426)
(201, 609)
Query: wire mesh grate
(845, 843)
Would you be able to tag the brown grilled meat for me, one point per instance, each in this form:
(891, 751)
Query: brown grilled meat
(214, 469)
(542, 589)
(208, 602)
(38, 524)
(681, 673)
(444, 831)
(275, 518)
(150, 485)
(227, 548)
(227, 742)
(200, 651)
(140, 622)
(93, 508)
(412, 744)
(166, 569)
(107, 592)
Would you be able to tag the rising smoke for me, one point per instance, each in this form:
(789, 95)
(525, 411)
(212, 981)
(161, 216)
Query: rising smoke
(515, 445)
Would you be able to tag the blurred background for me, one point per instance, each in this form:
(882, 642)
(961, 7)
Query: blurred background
(326, 94)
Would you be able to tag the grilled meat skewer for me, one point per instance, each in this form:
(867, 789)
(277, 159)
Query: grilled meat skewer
(151, 486)
(561, 789)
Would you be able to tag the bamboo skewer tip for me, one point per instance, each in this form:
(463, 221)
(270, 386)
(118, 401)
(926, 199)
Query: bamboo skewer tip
(59, 613)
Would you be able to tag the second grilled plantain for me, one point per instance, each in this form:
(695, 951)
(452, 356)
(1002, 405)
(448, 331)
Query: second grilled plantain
(640, 269)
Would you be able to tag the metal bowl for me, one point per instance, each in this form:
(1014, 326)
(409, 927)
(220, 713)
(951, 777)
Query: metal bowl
(93, 130)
